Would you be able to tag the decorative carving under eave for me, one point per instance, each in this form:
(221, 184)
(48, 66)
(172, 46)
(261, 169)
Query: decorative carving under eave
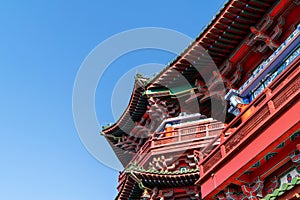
(217, 81)
(191, 160)
(161, 194)
(272, 185)
(255, 191)
(263, 37)
(297, 2)
(157, 111)
(231, 194)
(190, 192)
(295, 156)
(162, 163)
(227, 68)
(264, 24)
(234, 78)
(154, 195)
(202, 88)
(237, 75)
(269, 40)
(194, 193)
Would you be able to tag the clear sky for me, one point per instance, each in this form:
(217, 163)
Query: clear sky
(42, 45)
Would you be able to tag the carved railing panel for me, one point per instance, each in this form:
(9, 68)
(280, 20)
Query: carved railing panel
(290, 89)
(246, 128)
(212, 160)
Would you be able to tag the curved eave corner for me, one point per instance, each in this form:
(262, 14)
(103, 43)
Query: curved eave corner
(138, 89)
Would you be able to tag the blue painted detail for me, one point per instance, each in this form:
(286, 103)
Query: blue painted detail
(271, 63)
(274, 73)
(267, 71)
(256, 164)
(280, 145)
(270, 155)
(294, 136)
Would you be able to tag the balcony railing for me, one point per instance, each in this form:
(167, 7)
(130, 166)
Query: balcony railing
(280, 93)
(200, 134)
(189, 134)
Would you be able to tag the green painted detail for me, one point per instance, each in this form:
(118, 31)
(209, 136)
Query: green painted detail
(256, 164)
(280, 145)
(106, 126)
(294, 136)
(285, 187)
(172, 92)
(182, 89)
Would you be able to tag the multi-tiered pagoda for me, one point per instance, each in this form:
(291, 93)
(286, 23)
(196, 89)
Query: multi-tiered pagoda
(249, 148)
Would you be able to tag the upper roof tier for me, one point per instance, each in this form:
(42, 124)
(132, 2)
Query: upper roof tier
(220, 38)
(229, 39)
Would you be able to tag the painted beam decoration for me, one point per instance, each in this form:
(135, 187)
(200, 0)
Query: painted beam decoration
(288, 177)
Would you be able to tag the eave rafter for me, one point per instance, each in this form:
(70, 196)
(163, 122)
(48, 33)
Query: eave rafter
(226, 40)
(220, 49)
(236, 31)
(254, 9)
(260, 4)
(249, 14)
(240, 25)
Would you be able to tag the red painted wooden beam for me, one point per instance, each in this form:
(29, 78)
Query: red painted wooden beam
(275, 162)
(280, 7)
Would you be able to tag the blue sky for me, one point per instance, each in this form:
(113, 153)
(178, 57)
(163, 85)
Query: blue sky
(42, 45)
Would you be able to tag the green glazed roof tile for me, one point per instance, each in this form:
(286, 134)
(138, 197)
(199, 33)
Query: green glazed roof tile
(285, 187)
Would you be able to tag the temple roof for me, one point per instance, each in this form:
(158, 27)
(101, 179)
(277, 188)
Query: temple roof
(168, 179)
(132, 114)
(135, 109)
(221, 39)
(129, 190)
(136, 176)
